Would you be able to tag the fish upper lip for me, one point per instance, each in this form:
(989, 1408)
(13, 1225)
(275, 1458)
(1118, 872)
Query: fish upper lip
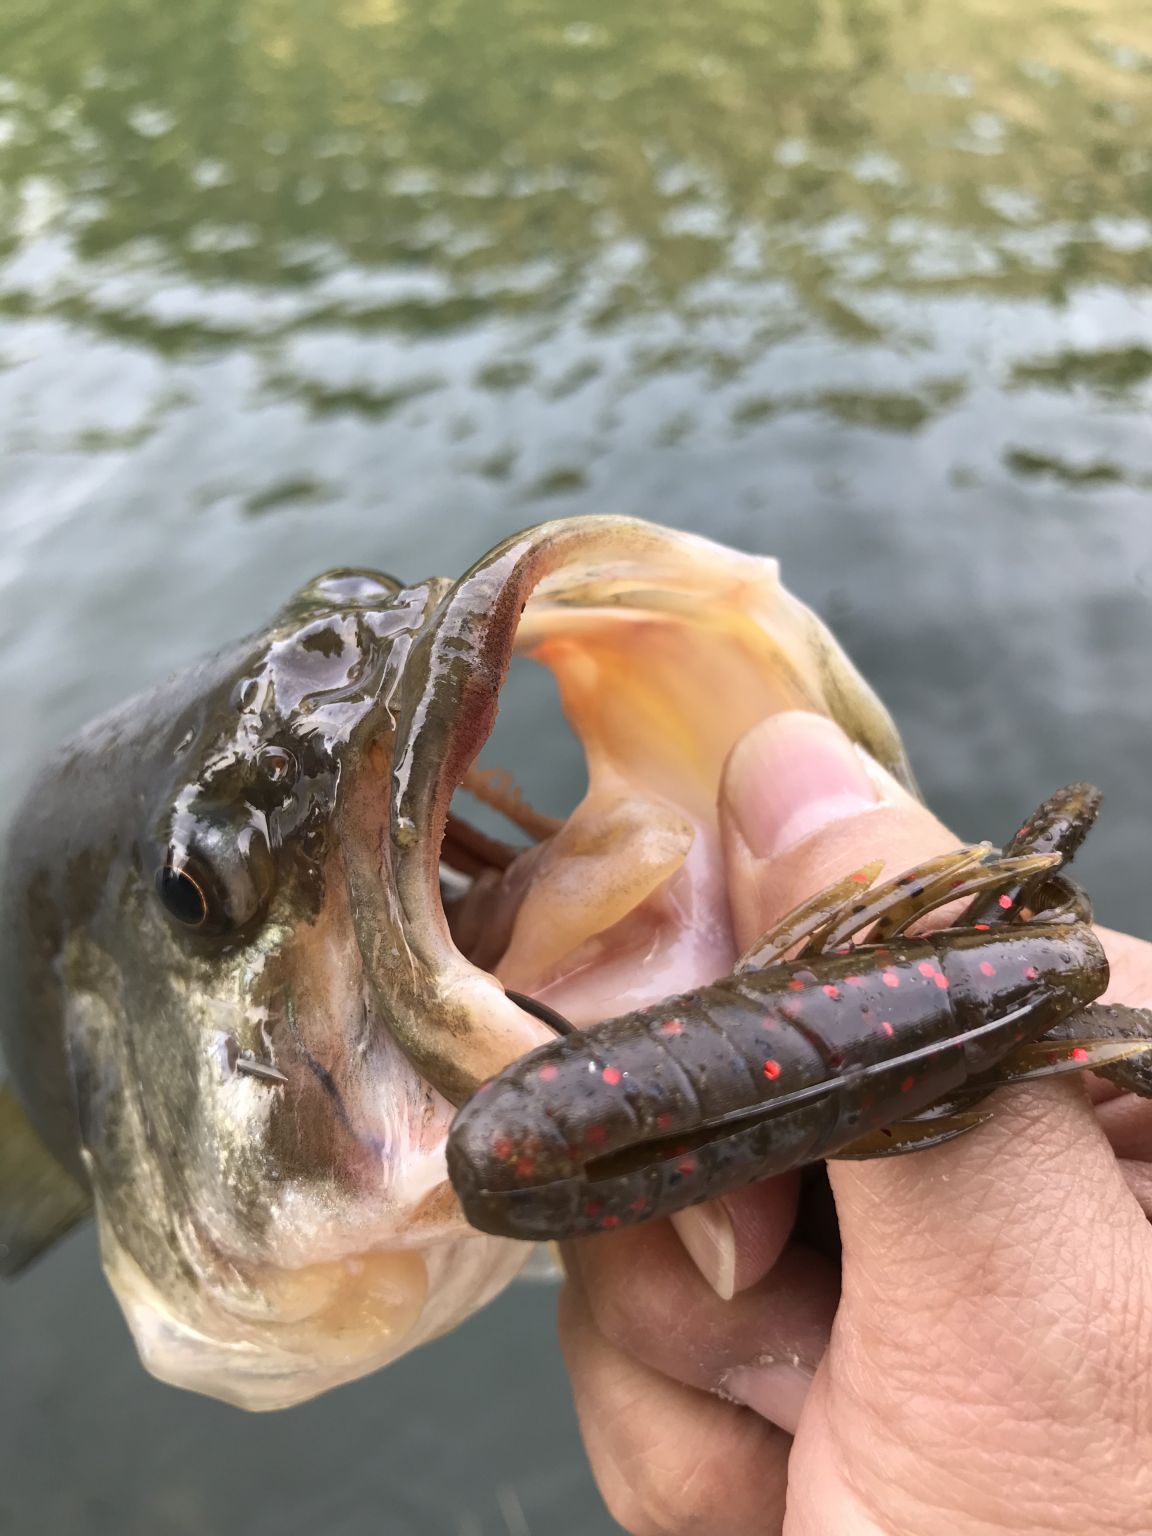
(455, 672)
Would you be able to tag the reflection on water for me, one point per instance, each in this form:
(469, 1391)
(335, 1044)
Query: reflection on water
(291, 283)
(431, 215)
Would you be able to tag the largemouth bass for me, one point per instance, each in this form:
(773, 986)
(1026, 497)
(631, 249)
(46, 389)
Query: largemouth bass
(252, 961)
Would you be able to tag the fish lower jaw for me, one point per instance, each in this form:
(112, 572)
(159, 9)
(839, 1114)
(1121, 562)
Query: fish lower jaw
(313, 1328)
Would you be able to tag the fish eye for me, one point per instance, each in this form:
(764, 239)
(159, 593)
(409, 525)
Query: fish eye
(182, 897)
(217, 876)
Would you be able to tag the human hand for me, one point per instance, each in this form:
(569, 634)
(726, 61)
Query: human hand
(987, 1366)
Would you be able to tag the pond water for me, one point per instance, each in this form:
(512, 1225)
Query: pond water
(287, 284)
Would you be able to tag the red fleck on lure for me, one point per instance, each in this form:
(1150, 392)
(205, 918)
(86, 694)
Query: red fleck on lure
(847, 1049)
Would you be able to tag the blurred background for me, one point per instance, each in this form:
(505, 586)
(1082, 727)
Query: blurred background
(286, 284)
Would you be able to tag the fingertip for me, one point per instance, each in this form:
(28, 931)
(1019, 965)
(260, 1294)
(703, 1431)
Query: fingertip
(801, 806)
(775, 1389)
(709, 1239)
(789, 777)
(734, 1242)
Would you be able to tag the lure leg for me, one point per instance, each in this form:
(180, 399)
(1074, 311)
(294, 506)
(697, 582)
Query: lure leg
(1073, 1051)
(895, 906)
(1111, 1024)
(912, 1135)
(808, 919)
(1092, 1038)
(1112, 1041)
(908, 887)
(905, 894)
(1057, 826)
(1061, 823)
(833, 915)
(1037, 1059)
(1087, 1051)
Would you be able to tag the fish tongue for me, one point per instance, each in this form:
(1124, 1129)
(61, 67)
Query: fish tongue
(617, 848)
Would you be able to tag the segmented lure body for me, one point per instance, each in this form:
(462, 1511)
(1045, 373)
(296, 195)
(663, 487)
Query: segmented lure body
(872, 1048)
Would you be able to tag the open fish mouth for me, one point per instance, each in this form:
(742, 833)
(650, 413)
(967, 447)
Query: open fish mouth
(666, 649)
(272, 1236)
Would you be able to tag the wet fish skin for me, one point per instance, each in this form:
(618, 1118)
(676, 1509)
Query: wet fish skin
(233, 1012)
(122, 1029)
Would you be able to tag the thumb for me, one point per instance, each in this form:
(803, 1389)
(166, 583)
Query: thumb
(965, 1253)
(801, 808)
(797, 805)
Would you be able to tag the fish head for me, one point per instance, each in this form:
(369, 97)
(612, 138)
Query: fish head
(191, 1030)
(242, 1002)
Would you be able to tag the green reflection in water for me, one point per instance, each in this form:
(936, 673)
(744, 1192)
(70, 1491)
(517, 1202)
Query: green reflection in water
(1097, 473)
(286, 493)
(504, 150)
(457, 216)
(1109, 370)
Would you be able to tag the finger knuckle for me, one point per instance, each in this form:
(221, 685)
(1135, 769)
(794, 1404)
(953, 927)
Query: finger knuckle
(629, 1511)
(650, 1494)
(642, 1320)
